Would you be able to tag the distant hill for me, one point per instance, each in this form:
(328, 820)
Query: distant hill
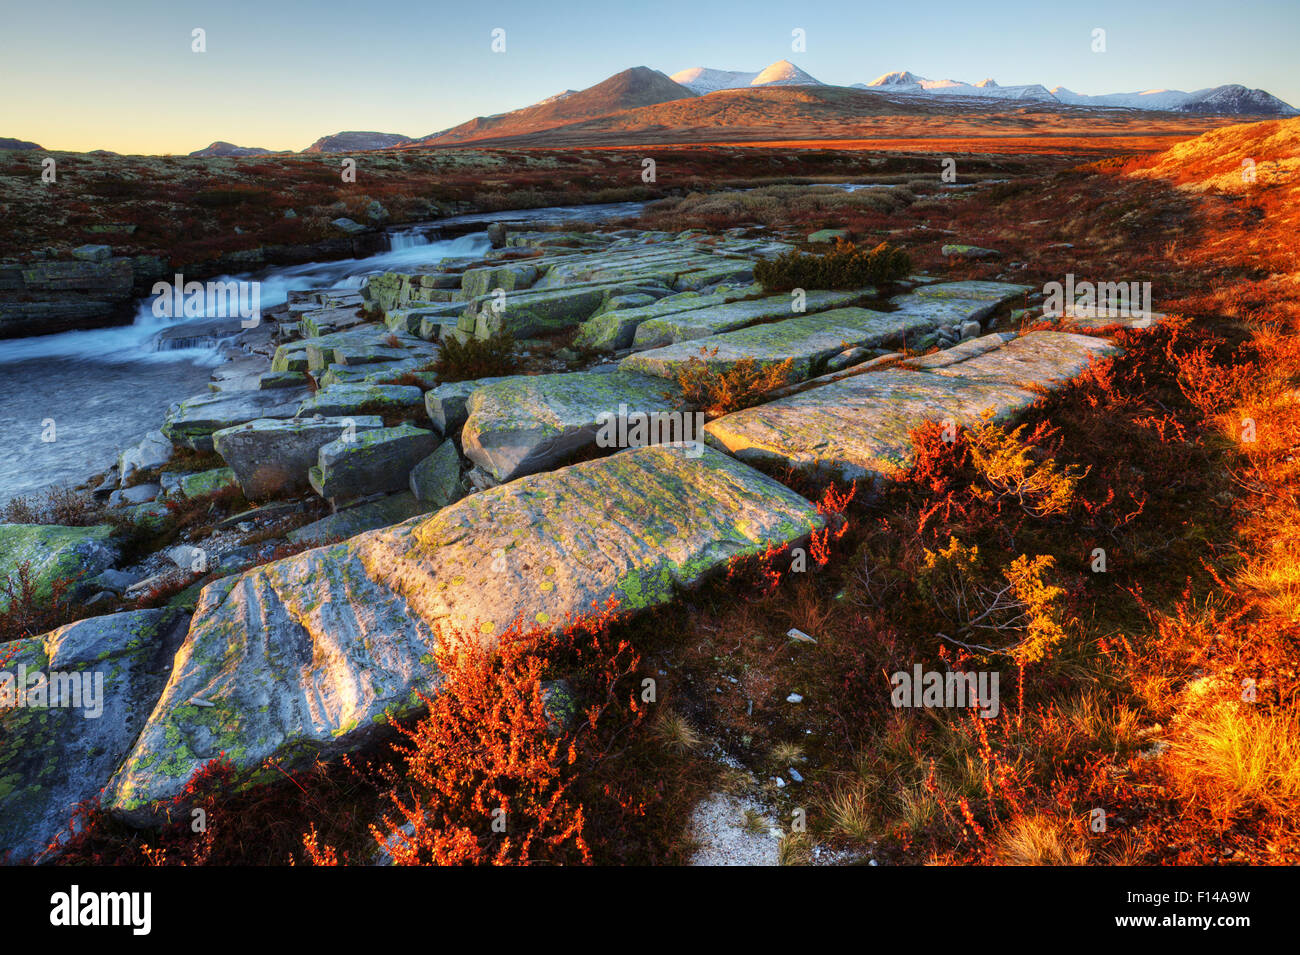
(637, 87)
(6, 143)
(356, 142)
(220, 148)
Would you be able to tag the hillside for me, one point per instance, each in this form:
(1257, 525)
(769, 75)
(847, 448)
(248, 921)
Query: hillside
(637, 87)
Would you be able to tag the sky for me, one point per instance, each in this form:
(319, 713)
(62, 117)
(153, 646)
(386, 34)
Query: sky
(86, 74)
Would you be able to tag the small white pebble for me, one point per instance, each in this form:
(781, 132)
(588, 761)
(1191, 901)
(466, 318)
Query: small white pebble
(780, 783)
(794, 775)
(794, 698)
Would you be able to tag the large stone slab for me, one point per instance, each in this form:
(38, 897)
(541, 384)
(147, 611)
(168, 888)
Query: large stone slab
(192, 422)
(272, 456)
(532, 423)
(303, 656)
(105, 674)
(615, 329)
(446, 405)
(1045, 359)
(808, 341)
(857, 428)
(352, 398)
(996, 292)
(53, 553)
(704, 322)
(370, 462)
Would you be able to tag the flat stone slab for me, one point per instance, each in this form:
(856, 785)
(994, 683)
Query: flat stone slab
(446, 405)
(351, 521)
(857, 429)
(192, 422)
(370, 462)
(986, 291)
(1045, 359)
(103, 675)
(704, 322)
(272, 456)
(53, 553)
(807, 340)
(358, 398)
(532, 423)
(302, 657)
(615, 329)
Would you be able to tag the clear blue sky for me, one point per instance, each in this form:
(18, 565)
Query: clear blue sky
(85, 74)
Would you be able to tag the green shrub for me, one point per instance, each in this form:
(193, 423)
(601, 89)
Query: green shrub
(476, 358)
(843, 266)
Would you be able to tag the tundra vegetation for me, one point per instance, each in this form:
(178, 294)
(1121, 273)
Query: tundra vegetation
(1157, 686)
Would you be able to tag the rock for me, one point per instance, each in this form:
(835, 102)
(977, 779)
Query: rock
(92, 253)
(188, 557)
(376, 214)
(358, 398)
(271, 456)
(858, 428)
(808, 340)
(129, 496)
(996, 292)
(153, 451)
(496, 233)
(532, 423)
(281, 379)
(110, 669)
(613, 329)
(52, 553)
(351, 521)
(116, 581)
(436, 479)
(372, 462)
(1046, 359)
(828, 235)
(529, 313)
(704, 322)
(970, 330)
(206, 483)
(193, 421)
(970, 252)
(303, 657)
(446, 404)
(344, 224)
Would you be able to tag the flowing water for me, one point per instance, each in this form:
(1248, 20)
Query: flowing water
(99, 391)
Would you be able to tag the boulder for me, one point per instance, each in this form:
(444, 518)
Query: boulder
(303, 657)
(359, 398)
(436, 479)
(53, 553)
(193, 421)
(970, 252)
(206, 483)
(153, 451)
(446, 404)
(271, 456)
(59, 745)
(370, 462)
(130, 496)
(532, 423)
(359, 518)
(703, 322)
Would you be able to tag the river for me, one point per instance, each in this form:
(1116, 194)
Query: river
(70, 402)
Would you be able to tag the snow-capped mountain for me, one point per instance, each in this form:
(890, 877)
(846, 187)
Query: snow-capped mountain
(1231, 99)
(903, 81)
(702, 79)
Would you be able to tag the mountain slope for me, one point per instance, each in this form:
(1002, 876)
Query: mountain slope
(221, 148)
(639, 86)
(355, 142)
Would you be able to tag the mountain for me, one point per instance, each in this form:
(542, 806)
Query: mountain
(703, 80)
(905, 82)
(220, 148)
(1232, 100)
(6, 143)
(355, 142)
(639, 86)
(784, 73)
